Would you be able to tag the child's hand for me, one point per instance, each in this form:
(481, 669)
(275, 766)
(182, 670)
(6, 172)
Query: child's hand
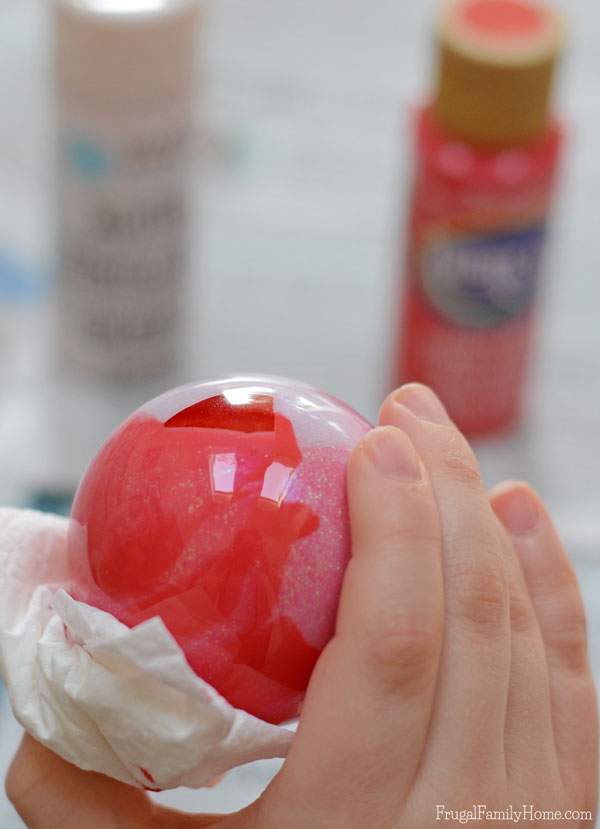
(458, 674)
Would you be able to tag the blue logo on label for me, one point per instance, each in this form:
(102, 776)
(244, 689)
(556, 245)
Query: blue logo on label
(483, 281)
(88, 158)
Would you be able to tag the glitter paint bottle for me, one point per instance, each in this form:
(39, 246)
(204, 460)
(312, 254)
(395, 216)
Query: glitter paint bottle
(487, 149)
(124, 81)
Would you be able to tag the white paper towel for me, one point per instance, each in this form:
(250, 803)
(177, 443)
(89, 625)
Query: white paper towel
(120, 701)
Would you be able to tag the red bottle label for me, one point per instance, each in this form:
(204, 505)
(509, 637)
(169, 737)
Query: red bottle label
(482, 280)
(475, 257)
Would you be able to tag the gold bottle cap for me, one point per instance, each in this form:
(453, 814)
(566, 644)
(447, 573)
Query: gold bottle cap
(496, 67)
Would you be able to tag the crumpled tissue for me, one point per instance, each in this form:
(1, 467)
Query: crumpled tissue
(119, 701)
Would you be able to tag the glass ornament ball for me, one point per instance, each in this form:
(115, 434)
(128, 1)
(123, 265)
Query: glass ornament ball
(221, 508)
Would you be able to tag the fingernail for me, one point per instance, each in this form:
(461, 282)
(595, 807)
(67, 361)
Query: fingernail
(393, 454)
(518, 511)
(423, 403)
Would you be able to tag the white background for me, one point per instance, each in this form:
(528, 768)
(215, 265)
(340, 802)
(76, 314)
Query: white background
(305, 106)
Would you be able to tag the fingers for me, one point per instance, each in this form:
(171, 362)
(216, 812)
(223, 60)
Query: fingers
(555, 594)
(49, 793)
(528, 734)
(369, 703)
(393, 594)
(468, 721)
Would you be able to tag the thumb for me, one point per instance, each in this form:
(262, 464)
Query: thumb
(368, 705)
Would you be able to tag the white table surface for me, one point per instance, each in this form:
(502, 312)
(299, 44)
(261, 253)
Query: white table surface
(306, 162)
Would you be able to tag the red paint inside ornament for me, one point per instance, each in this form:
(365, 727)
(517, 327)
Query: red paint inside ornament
(222, 521)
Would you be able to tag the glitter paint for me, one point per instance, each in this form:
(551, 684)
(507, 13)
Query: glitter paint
(221, 507)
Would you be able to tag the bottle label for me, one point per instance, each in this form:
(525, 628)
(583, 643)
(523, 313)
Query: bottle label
(475, 257)
(123, 216)
(485, 280)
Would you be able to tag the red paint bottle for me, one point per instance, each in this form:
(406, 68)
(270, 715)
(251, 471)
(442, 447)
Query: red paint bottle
(487, 149)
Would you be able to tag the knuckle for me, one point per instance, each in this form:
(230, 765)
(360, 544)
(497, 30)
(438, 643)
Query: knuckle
(461, 467)
(568, 639)
(459, 461)
(404, 658)
(522, 617)
(417, 535)
(480, 596)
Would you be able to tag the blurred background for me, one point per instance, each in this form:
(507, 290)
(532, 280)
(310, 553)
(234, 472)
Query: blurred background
(302, 161)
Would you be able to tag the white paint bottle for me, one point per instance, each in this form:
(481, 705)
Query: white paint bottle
(124, 89)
